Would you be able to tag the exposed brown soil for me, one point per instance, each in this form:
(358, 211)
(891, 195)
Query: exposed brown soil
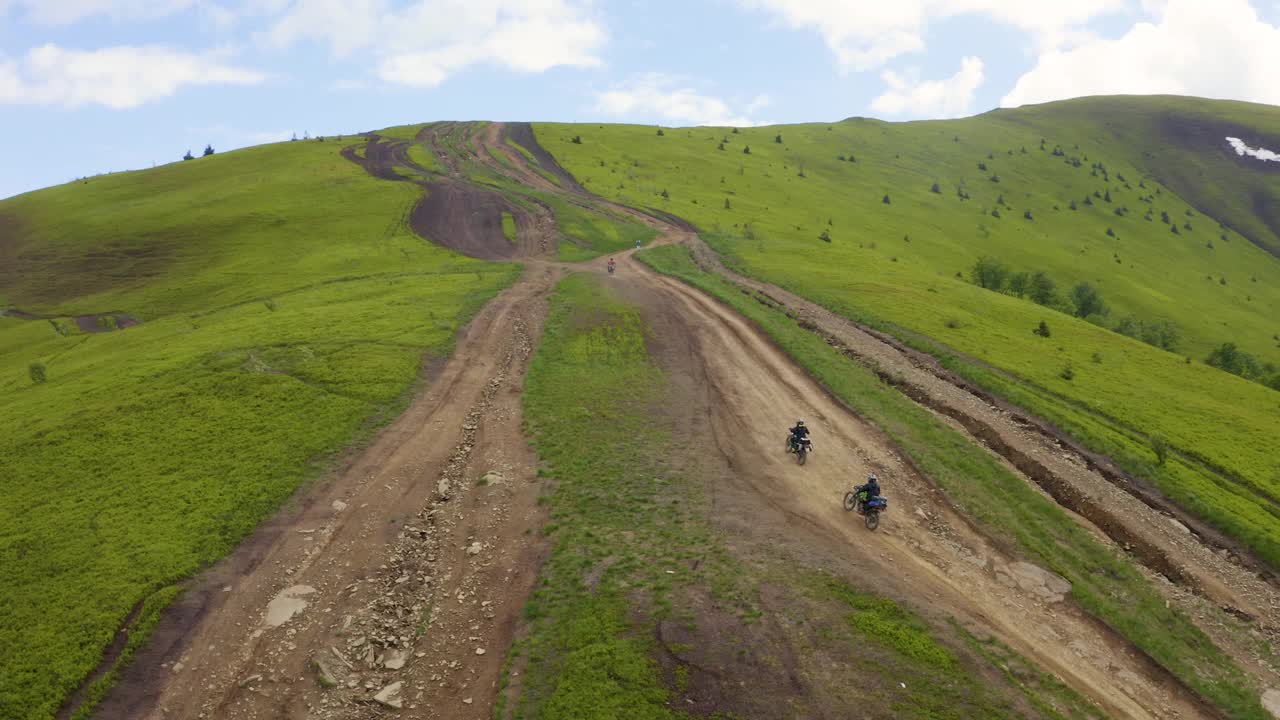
(105, 322)
(465, 219)
(522, 133)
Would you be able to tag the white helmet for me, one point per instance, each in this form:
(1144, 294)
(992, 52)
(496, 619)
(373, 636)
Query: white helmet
(800, 422)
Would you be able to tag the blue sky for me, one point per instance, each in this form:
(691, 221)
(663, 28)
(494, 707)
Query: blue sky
(91, 86)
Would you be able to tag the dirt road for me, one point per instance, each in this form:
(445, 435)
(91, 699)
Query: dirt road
(398, 582)
(400, 571)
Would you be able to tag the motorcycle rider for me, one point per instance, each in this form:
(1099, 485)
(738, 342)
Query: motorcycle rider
(869, 489)
(612, 264)
(798, 433)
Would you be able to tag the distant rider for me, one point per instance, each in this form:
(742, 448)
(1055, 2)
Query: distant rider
(612, 264)
(798, 433)
(869, 490)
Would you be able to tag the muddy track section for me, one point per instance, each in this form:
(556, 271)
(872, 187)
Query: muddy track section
(453, 212)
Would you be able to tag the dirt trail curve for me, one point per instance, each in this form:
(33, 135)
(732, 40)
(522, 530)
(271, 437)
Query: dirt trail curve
(927, 550)
(398, 582)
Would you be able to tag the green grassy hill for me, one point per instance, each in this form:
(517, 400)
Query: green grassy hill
(285, 310)
(1181, 143)
(884, 223)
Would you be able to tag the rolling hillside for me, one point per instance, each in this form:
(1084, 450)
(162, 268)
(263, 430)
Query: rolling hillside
(552, 491)
(884, 223)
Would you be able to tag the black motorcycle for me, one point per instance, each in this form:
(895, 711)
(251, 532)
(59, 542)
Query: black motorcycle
(801, 448)
(869, 509)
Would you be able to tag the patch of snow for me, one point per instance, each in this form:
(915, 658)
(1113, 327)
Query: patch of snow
(1260, 153)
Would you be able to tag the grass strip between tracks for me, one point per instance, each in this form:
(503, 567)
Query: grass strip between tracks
(585, 408)
(1104, 582)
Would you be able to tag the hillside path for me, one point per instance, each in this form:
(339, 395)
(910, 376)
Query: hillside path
(398, 582)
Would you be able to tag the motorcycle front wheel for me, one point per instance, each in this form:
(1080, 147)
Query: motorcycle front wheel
(850, 501)
(872, 520)
(802, 456)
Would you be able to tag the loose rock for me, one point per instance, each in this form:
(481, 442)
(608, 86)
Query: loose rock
(395, 659)
(1271, 701)
(390, 695)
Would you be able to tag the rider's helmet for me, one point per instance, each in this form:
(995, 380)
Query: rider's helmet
(800, 422)
(872, 479)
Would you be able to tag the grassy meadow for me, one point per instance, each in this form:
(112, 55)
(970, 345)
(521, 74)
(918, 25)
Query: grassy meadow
(285, 311)
(869, 237)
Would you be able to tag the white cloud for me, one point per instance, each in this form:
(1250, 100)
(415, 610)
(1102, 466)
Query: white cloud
(1260, 153)
(346, 25)
(952, 97)
(425, 42)
(758, 103)
(65, 12)
(658, 97)
(1220, 49)
(118, 78)
(866, 34)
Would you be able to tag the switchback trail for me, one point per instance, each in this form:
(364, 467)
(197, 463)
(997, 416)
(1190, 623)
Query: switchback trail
(398, 582)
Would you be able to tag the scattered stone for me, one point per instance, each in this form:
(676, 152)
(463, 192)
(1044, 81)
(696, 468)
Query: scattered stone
(177, 667)
(287, 604)
(1179, 526)
(251, 678)
(1035, 579)
(395, 659)
(339, 506)
(479, 651)
(390, 695)
(1271, 701)
(474, 549)
(466, 701)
